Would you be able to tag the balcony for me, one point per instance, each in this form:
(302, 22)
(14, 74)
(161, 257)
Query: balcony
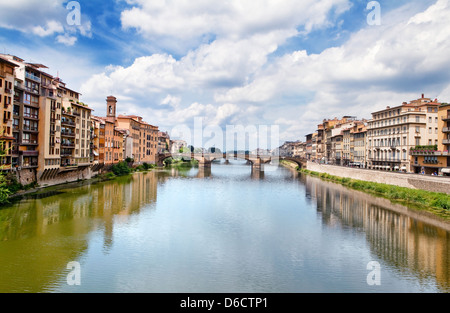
(428, 153)
(33, 91)
(49, 94)
(29, 153)
(68, 145)
(30, 165)
(31, 116)
(446, 130)
(32, 77)
(30, 129)
(29, 142)
(69, 123)
(446, 118)
(67, 134)
(430, 162)
(392, 160)
(18, 85)
(446, 141)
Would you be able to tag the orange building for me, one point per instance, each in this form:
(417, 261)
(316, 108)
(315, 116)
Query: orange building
(125, 136)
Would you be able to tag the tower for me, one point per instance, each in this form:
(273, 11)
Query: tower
(111, 103)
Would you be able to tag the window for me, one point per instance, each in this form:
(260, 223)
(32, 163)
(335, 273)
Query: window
(417, 119)
(27, 98)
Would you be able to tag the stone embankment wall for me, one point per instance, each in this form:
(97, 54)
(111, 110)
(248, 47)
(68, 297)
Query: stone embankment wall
(413, 181)
(28, 176)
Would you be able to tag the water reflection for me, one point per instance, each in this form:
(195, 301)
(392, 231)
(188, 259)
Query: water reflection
(273, 243)
(39, 236)
(402, 240)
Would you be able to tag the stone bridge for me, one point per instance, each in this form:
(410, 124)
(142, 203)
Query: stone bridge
(205, 159)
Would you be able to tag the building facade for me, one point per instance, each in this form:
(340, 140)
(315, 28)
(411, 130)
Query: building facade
(7, 69)
(395, 133)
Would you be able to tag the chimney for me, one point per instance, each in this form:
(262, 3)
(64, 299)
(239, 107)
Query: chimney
(423, 95)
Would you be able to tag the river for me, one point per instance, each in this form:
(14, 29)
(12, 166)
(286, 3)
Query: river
(224, 230)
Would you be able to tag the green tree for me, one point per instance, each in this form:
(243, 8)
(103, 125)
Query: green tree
(121, 169)
(4, 190)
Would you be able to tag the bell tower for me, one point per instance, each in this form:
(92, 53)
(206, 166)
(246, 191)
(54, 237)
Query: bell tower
(111, 103)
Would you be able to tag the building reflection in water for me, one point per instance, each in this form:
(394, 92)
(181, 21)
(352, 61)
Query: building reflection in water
(37, 228)
(404, 241)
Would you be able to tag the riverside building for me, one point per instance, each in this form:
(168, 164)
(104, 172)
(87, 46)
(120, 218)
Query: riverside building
(395, 133)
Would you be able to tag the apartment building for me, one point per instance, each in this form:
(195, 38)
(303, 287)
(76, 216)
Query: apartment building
(95, 140)
(336, 150)
(444, 138)
(51, 127)
(6, 113)
(324, 132)
(358, 145)
(26, 112)
(163, 142)
(393, 133)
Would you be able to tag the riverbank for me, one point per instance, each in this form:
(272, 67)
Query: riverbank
(435, 203)
(18, 192)
(118, 170)
(408, 180)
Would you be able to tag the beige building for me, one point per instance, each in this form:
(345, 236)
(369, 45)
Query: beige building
(396, 131)
(51, 127)
(358, 148)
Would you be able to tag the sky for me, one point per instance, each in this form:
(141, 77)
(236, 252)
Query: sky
(289, 63)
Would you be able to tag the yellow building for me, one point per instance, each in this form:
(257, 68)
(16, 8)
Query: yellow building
(6, 113)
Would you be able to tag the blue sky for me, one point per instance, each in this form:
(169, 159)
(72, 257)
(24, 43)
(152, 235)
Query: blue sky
(289, 63)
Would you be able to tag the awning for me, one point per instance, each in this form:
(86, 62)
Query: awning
(446, 170)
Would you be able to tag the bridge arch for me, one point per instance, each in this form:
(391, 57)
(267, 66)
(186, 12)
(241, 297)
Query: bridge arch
(300, 162)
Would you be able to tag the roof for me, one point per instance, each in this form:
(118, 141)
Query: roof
(8, 62)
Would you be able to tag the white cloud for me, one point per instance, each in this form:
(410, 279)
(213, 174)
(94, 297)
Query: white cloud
(190, 21)
(66, 40)
(236, 79)
(42, 18)
(51, 28)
